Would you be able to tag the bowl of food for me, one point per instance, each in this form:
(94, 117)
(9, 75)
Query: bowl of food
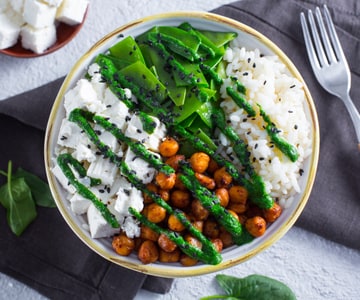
(182, 144)
(36, 28)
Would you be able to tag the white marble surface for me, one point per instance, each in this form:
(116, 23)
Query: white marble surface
(313, 267)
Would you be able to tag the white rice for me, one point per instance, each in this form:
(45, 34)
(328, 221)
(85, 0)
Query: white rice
(269, 84)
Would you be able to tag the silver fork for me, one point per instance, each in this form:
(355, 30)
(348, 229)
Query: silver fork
(328, 60)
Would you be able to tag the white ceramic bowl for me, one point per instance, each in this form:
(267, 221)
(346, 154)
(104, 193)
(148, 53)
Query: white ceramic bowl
(251, 39)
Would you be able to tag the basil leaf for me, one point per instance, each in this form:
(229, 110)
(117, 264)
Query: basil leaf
(16, 197)
(39, 189)
(255, 287)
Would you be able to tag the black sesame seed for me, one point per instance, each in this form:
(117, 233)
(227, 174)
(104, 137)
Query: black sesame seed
(295, 127)
(245, 74)
(292, 86)
(301, 172)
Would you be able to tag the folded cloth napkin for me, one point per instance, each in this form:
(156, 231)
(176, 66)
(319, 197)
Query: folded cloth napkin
(51, 259)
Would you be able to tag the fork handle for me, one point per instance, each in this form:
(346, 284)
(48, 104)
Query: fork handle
(354, 114)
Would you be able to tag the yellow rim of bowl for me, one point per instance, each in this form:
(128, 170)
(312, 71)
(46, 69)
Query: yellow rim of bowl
(155, 269)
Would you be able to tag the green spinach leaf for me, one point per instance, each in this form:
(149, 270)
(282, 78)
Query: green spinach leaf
(20, 195)
(16, 197)
(252, 287)
(39, 189)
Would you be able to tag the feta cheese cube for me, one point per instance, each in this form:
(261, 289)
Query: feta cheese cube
(38, 40)
(98, 226)
(39, 14)
(55, 3)
(141, 168)
(70, 135)
(17, 5)
(4, 4)
(9, 31)
(151, 141)
(62, 179)
(103, 169)
(84, 153)
(128, 198)
(79, 204)
(72, 12)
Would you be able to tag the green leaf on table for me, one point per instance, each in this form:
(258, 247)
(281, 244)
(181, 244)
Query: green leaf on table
(252, 287)
(16, 197)
(39, 189)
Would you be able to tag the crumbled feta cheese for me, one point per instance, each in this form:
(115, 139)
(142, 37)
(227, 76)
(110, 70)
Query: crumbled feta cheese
(141, 168)
(38, 40)
(39, 14)
(9, 31)
(103, 169)
(131, 227)
(72, 12)
(83, 96)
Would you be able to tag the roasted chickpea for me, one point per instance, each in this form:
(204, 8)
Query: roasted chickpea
(168, 147)
(165, 182)
(123, 245)
(174, 224)
(148, 252)
(198, 210)
(223, 196)
(173, 161)
(166, 244)
(205, 181)
(272, 213)
(218, 244)
(238, 194)
(239, 208)
(147, 233)
(222, 178)
(199, 225)
(169, 257)
(213, 166)
(193, 241)
(256, 226)
(152, 188)
(199, 162)
(155, 213)
(211, 229)
(178, 183)
(187, 261)
(234, 214)
(164, 194)
(226, 239)
(180, 198)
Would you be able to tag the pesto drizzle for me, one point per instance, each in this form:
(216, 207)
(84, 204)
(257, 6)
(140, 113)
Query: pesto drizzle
(65, 161)
(284, 146)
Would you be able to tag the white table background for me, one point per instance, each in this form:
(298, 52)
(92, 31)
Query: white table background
(313, 267)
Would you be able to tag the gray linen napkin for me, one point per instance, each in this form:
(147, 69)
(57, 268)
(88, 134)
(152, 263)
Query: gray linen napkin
(52, 260)
(333, 210)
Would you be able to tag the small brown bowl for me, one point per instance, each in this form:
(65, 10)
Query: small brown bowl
(64, 34)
